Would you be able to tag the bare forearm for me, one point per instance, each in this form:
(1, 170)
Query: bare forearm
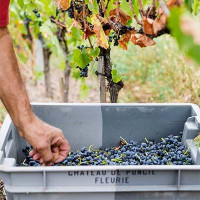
(12, 90)
(48, 142)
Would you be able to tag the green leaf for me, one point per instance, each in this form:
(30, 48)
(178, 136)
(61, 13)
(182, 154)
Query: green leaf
(125, 6)
(95, 52)
(196, 6)
(76, 35)
(94, 7)
(136, 7)
(21, 3)
(81, 58)
(189, 4)
(116, 77)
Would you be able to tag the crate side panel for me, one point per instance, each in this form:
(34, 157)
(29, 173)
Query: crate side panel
(190, 177)
(34, 179)
(112, 178)
(82, 125)
(65, 196)
(181, 195)
(138, 122)
(111, 196)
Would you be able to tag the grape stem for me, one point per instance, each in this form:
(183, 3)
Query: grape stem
(75, 15)
(91, 46)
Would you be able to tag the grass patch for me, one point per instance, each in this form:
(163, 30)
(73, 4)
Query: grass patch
(159, 73)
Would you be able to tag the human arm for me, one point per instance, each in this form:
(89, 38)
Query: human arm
(48, 142)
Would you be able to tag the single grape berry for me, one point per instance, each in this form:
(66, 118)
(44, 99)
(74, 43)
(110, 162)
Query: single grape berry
(38, 15)
(35, 11)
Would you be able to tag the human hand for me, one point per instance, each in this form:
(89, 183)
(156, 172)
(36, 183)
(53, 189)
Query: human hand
(49, 143)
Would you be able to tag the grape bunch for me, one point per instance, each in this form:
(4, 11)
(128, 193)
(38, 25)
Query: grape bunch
(78, 7)
(37, 14)
(83, 72)
(70, 10)
(169, 151)
(114, 38)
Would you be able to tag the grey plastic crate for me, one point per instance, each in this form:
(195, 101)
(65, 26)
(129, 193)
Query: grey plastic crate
(103, 124)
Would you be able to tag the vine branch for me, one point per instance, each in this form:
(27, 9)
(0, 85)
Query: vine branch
(117, 11)
(133, 12)
(57, 22)
(84, 16)
(107, 4)
(154, 3)
(141, 8)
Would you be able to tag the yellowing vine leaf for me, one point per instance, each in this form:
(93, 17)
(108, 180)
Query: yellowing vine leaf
(123, 17)
(142, 40)
(100, 34)
(63, 4)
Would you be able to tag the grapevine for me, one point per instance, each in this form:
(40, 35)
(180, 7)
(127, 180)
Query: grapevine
(99, 25)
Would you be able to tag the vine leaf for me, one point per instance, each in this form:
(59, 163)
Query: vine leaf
(63, 4)
(125, 39)
(100, 34)
(88, 32)
(95, 52)
(116, 77)
(123, 17)
(76, 34)
(161, 21)
(81, 58)
(142, 40)
(148, 25)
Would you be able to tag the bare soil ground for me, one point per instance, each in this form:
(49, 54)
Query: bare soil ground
(37, 92)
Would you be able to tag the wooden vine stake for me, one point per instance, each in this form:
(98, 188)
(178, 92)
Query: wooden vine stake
(102, 82)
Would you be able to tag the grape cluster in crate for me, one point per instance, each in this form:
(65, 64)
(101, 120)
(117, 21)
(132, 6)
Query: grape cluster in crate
(169, 151)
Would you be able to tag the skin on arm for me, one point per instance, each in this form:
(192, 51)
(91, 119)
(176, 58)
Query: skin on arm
(49, 143)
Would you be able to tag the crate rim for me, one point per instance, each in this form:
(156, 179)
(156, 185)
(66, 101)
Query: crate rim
(98, 168)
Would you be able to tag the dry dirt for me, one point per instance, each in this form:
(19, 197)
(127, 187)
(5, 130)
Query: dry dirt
(37, 92)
